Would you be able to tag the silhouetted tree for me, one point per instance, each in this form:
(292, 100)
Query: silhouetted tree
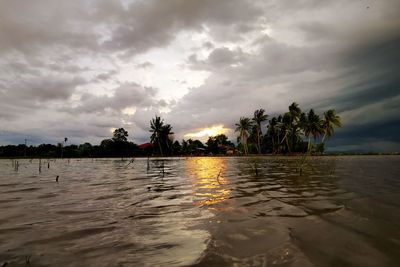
(177, 148)
(120, 135)
(218, 144)
(311, 126)
(329, 122)
(243, 127)
(156, 128)
(258, 118)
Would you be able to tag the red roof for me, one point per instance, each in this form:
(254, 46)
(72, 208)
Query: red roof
(146, 145)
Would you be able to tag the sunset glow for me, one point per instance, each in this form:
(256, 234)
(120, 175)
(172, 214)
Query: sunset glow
(209, 131)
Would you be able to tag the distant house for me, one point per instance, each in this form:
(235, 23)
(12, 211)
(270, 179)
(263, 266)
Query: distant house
(228, 150)
(231, 151)
(146, 146)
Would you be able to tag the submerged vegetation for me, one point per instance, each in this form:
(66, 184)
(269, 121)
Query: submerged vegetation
(292, 132)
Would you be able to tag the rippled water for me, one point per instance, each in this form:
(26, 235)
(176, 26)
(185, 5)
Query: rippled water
(340, 211)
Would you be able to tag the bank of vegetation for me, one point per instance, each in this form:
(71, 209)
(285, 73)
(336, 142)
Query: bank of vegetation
(290, 133)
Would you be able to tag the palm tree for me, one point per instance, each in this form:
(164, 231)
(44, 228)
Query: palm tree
(295, 113)
(278, 132)
(156, 128)
(294, 110)
(285, 129)
(252, 138)
(258, 118)
(272, 131)
(243, 127)
(185, 147)
(166, 136)
(311, 125)
(330, 120)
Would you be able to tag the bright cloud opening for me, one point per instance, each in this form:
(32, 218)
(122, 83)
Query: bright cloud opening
(129, 111)
(207, 132)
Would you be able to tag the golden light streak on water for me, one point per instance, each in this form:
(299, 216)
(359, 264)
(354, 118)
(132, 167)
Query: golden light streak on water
(208, 180)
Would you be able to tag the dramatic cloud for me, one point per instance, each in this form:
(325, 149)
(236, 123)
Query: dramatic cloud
(80, 68)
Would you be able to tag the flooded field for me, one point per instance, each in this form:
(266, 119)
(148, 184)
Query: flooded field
(339, 211)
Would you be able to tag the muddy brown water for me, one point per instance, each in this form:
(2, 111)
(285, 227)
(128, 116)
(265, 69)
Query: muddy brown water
(339, 211)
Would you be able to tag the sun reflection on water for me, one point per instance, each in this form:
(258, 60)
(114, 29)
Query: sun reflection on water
(209, 180)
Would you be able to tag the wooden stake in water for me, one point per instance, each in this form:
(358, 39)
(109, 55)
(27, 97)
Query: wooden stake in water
(218, 176)
(40, 165)
(28, 260)
(131, 161)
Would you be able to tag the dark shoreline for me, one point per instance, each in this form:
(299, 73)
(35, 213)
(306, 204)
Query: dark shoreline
(214, 156)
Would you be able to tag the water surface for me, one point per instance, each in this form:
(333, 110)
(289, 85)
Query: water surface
(338, 211)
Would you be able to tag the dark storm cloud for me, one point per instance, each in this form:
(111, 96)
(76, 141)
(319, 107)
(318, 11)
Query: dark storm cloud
(388, 131)
(45, 88)
(221, 57)
(375, 68)
(370, 99)
(33, 26)
(125, 96)
(21, 95)
(378, 136)
(147, 24)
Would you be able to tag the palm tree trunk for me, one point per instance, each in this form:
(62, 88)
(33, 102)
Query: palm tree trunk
(168, 148)
(293, 135)
(278, 144)
(323, 138)
(287, 143)
(245, 148)
(258, 139)
(273, 145)
(309, 143)
(159, 145)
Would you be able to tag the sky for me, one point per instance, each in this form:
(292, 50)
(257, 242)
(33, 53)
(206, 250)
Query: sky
(80, 69)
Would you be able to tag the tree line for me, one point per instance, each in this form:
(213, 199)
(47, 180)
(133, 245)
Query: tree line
(293, 132)
(164, 144)
(116, 146)
(162, 141)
